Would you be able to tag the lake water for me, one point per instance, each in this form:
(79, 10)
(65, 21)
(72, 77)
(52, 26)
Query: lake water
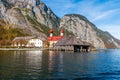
(42, 65)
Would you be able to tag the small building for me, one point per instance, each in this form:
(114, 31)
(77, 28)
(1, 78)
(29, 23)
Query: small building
(35, 42)
(28, 41)
(52, 40)
(72, 43)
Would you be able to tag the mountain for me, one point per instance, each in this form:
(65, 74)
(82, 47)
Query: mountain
(34, 18)
(80, 26)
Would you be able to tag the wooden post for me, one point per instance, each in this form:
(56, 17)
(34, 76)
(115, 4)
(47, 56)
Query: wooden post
(81, 49)
(85, 50)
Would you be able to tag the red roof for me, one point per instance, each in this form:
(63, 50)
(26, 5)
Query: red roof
(54, 38)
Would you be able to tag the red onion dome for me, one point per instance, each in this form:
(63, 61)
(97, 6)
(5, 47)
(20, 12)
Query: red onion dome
(51, 31)
(62, 31)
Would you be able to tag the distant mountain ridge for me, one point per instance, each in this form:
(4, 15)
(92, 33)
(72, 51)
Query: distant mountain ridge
(80, 26)
(33, 17)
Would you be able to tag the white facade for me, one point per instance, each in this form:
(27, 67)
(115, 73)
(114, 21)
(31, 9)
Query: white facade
(35, 43)
(52, 43)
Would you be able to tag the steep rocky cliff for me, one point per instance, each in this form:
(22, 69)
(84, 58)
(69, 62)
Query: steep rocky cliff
(33, 16)
(83, 28)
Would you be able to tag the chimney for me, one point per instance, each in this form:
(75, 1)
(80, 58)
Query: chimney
(62, 33)
(51, 32)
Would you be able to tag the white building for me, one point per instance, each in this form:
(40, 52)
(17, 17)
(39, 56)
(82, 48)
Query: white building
(29, 41)
(35, 43)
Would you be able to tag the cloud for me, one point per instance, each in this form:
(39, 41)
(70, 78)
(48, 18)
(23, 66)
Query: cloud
(89, 8)
(105, 14)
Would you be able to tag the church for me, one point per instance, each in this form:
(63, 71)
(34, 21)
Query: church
(54, 39)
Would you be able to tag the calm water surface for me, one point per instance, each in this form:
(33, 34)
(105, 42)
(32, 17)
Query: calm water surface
(39, 65)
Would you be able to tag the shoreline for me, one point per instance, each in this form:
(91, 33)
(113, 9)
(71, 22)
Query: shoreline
(10, 49)
(36, 49)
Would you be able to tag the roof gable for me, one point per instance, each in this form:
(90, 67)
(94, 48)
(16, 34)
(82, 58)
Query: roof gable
(71, 40)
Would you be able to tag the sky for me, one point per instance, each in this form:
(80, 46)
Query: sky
(105, 14)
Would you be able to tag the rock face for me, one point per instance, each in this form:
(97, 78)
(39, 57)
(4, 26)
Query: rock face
(35, 19)
(27, 14)
(81, 27)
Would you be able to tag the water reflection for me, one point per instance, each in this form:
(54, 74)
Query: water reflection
(64, 65)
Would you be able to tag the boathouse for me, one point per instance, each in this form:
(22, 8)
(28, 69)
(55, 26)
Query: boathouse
(72, 43)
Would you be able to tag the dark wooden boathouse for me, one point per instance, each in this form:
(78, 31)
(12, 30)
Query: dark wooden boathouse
(72, 43)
